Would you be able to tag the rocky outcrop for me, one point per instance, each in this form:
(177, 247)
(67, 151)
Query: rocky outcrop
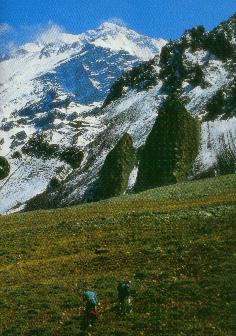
(171, 147)
(115, 172)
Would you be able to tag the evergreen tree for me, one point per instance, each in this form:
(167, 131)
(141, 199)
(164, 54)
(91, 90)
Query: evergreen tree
(139, 78)
(218, 43)
(39, 147)
(73, 156)
(4, 168)
(226, 162)
(67, 103)
(115, 92)
(215, 106)
(197, 37)
(170, 148)
(54, 184)
(230, 108)
(198, 77)
(172, 67)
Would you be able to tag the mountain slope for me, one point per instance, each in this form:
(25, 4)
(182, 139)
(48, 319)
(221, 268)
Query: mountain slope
(55, 87)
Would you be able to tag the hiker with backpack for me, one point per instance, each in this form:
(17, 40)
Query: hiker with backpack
(125, 296)
(90, 310)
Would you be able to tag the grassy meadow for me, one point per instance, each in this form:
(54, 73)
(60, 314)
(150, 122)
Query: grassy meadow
(177, 244)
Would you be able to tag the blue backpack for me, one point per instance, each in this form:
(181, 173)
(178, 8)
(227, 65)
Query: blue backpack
(91, 297)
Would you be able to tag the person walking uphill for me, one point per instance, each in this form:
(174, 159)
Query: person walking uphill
(90, 309)
(124, 296)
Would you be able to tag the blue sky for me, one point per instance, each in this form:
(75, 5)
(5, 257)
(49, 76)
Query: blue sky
(158, 18)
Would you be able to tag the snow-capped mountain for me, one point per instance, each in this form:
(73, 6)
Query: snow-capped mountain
(49, 86)
(87, 94)
(71, 63)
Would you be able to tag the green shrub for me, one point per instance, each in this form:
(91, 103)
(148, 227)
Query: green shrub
(54, 183)
(172, 67)
(230, 106)
(197, 37)
(198, 78)
(73, 156)
(218, 43)
(39, 147)
(141, 77)
(226, 163)
(116, 91)
(215, 106)
(4, 168)
(17, 155)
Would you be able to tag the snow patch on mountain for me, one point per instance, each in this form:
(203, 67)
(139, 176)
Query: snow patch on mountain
(27, 178)
(19, 76)
(216, 76)
(132, 178)
(216, 138)
(120, 38)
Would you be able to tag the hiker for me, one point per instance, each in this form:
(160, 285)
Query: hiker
(124, 296)
(90, 300)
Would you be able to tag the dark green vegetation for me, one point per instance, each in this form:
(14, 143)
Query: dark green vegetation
(198, 77)
(219, 40)
(226, 163)
(73, 156)
(215, 106)
(174, 70)
(173, 67)
(222, 104)
(171, 147)
(4, 168)
(114, 175)
(176, 243)
(39, 147)
(54, 183)
(140, 78)
(42, 201)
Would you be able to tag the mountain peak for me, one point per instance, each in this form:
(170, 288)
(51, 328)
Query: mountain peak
(118, 37)
(112, 25)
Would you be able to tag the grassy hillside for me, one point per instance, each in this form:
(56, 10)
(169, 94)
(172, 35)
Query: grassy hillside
(176, 243)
